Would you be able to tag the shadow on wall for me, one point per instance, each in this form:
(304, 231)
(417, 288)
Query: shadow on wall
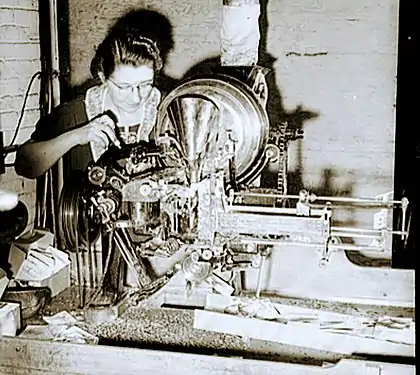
(63, 46)
(347, 216)
(296, 119)
(328, 188)
(147, 23)
(277, 114)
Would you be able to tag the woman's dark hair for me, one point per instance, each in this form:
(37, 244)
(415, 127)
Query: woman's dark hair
(125, 49)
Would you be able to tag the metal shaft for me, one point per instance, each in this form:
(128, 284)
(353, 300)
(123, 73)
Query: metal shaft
(260, 275)
(80, 278)
(321, 198)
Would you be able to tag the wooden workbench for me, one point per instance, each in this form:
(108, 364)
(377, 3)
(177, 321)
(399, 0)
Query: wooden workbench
(22, 356)
(163, 341)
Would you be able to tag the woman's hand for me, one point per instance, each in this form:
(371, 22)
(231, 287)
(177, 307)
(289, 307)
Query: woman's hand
(100, 131)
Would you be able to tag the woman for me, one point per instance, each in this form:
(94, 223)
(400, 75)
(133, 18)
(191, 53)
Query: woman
(123, 108)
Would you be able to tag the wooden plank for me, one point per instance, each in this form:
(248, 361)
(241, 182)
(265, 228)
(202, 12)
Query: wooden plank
(384, 328)
(20, 356)
(295, 272)
(302, 335)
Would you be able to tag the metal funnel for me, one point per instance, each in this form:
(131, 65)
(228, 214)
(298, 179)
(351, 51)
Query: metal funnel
(195, 122)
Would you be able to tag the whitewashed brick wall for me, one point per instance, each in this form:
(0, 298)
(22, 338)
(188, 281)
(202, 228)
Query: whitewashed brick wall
(339, 59)
(335, 58)
(19, 60)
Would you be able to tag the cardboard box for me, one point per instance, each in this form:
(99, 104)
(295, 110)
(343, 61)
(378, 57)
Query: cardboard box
(4, 282)
(33, 240)
(35, 262)
(49, 268)
(10, 318)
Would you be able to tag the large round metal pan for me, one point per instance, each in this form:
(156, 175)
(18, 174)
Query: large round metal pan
(239, 111)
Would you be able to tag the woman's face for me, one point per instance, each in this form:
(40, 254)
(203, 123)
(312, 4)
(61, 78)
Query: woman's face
(129, 86)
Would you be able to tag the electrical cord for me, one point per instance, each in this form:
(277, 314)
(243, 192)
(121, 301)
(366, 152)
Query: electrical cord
(22, 111)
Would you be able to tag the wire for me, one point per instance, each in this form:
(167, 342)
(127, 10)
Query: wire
(22, 111)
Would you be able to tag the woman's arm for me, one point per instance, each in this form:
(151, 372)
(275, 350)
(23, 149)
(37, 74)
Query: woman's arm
(34, 158)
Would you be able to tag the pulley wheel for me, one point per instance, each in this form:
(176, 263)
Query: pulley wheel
(73, 219)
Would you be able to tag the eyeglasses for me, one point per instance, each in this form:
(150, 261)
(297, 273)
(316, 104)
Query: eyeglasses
(128, 89)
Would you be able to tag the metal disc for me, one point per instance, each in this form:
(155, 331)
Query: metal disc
(239, 111)
(73, 221)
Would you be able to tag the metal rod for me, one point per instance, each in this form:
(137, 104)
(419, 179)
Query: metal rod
(337, 231)
(123, 250)
(269, 210)
(404, 213)
(402, 233)
(345, 247)
(354, 235)
(345, 229)
(90, 250)
(43, 218)
(141, 270)
(86, 267)
(80, 277)
(55, 81)
(259, 241)
(54, 222)
(99, 258)
(321, 198)
(128, 244)
(349, 247)
(260, 275)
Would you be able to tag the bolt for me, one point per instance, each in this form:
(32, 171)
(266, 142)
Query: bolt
(323, 263)
(207, 254)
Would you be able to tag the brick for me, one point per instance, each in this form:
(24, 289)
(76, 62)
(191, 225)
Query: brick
(23, 135)
(18, 62)
(15, 102)
(18, 15)
(32, 4)
(18, 184)
(9, 120)
(18, 85)
(15, 32)
(18, 68)
(355, 10)
(29, 51)
(9, 177)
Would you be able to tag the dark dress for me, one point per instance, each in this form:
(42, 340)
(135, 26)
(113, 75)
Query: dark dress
(77, 113)
(63, 118)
